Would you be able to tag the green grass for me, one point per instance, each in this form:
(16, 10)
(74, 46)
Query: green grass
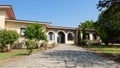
(106, 49)
(109, 51)
(16, 52)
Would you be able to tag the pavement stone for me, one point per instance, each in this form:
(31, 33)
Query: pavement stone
(63, 56)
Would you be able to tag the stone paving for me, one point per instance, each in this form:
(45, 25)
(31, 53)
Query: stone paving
(63, 56)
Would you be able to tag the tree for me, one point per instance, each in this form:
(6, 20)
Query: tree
(33, 33)
(30, 45)
(87, 24)
(106, 3)
(7, 37)
(79, 37)
(84, 37)
(109, 24)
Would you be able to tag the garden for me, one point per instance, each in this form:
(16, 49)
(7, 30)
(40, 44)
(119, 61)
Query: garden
(33, 34)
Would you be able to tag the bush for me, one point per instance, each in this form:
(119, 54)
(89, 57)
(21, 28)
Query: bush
(7, 37)
(33, 33)
(31, 44)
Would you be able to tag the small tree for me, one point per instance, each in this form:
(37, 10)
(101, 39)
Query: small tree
(79, 37)
(34, 32)
(30, 45)
(7, 37)
(89, 24)
(83, 37)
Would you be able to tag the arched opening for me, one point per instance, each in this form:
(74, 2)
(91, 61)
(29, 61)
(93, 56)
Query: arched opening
(51, 36)
(70, 37)
(87, 36)
(61, 37)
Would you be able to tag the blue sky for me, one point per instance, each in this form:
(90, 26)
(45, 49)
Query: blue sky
(60, 12)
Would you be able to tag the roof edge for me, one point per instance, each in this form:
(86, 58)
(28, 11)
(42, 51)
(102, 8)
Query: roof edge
(8, 7)
(28, 21)
(62, 27)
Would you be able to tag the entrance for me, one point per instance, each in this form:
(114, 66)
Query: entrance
(61, 37)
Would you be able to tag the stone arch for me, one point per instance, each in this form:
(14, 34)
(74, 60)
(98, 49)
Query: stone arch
(50, 31)
(51, 35)
(70, 36)
(61, 36)
(61, 31)
(71, 33)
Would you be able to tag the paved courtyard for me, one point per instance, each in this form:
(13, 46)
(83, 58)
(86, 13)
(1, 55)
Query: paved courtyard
(63, 56)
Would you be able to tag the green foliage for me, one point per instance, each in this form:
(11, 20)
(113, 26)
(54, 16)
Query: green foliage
(109, 24)
(87, 24)
(106, 3)
(84, 34)
(7, 37)
(35, 31)
(31, 44)
(84, 37)
(79, 37)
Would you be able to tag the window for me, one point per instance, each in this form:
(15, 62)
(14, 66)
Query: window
(22, 30)
(51, 36)
(70, 37)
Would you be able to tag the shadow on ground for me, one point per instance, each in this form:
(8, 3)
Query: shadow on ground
(77, 57)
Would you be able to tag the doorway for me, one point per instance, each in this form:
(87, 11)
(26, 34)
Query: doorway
(61, 37)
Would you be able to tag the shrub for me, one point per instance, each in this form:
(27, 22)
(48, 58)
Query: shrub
(31, 44)
(7, 37)
(79, 37)
(34, 33)
(84, 37)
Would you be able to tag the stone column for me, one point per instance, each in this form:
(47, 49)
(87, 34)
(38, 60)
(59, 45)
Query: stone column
(81, 35)
(91, 36)
(66, 38)
(56, 37)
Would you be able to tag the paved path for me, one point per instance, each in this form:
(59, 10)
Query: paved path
(63, 56)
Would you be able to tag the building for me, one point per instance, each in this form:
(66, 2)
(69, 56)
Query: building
(55, 34)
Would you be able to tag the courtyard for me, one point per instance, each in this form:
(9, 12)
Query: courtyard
(63, 56)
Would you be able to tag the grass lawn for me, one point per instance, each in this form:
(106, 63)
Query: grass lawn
(109, 51)
(15, 53)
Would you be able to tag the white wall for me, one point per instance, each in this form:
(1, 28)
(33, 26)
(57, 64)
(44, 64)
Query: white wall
(3, 16)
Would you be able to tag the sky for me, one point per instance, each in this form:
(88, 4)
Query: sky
(68, 13)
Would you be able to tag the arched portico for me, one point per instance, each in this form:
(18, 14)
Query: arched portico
(50, 31)
(70, 37)
(61, 36)
(51, 36)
